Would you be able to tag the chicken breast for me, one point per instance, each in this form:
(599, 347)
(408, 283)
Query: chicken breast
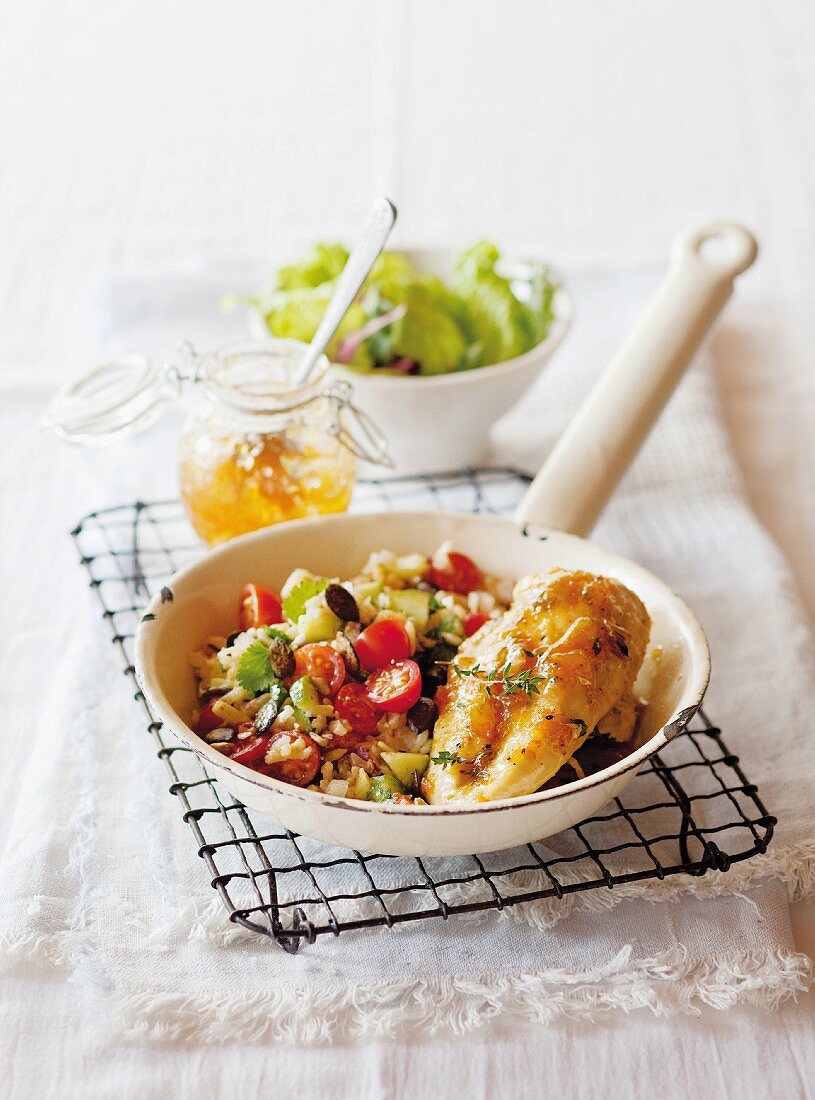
(527, 689)
(621, 721)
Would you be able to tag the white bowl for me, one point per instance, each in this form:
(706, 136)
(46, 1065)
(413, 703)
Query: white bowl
(201, 600)
(442, 422)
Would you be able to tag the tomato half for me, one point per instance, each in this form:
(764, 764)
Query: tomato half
(252, 749)
(472, 622)
(259, 607)
(299, 772)
(383, 642)
(396, 688)
(318, 659)
(460, 575)
(353, 706)
(208, 720)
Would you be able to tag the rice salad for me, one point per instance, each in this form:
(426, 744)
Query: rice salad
(330, 685)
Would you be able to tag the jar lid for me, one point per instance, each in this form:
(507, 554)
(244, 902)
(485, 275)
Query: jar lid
(119, 398)
(128, 394)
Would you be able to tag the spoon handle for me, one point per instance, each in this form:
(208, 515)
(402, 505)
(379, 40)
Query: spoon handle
(577, 479)
(363, 255)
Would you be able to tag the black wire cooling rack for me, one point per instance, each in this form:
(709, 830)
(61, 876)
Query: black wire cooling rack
(690, 810)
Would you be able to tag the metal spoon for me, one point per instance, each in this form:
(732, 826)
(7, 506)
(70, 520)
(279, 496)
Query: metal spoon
(369, 244)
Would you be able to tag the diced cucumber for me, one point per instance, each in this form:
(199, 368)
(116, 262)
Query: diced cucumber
(405, 764)
(318, 623)
(304, 695)
(227, 713)
(368, 591)
(363, 785)
(449, 624)
(413, 604)
(302, 720)
(410, 565)
(383, 788)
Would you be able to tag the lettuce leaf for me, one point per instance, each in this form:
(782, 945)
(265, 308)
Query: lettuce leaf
(451, 302)
(392, 276)
(503, 326)
(478, 321)
(428, 334)
(297, 313)
(322, 266)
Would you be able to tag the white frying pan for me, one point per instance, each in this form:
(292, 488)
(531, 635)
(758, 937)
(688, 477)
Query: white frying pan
(560, 508)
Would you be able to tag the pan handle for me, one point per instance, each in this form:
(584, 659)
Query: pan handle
(582, 471)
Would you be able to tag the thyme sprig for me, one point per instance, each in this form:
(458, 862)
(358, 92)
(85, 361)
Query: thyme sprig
(528, 681)
(445, 759)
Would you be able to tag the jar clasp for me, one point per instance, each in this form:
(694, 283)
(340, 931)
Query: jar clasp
(354, 428)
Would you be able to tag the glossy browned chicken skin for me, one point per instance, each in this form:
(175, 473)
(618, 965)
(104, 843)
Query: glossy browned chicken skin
(577, 641)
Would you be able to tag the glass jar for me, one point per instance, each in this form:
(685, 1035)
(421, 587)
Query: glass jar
(255, 449)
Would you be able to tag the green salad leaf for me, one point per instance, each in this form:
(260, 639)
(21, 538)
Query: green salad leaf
(476, 321)
(428, 334)
(392, 277)
(322, 266)
(295, 602)
(452, 303)
(503, 325)
(295, 314)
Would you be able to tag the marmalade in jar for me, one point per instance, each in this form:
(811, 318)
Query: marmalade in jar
(254, 451)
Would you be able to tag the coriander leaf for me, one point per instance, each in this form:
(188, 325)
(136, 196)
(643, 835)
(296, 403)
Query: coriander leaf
(254, 671)
(295, 603)
(273, 632)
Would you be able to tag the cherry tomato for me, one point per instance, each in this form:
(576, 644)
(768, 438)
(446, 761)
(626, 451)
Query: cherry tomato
(396, 688)
(259, 607)
(353, 706)
(318, 659)
(461, 575)
(472, 622)
(383, 642)
(299, 772)
(208, 720)
(250, 750)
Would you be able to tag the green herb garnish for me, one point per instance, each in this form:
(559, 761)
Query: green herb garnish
(295, 603)
(445, 759)
(528, 682)
(255, 673)
(273, 632)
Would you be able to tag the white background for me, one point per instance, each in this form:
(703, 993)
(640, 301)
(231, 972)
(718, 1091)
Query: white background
(171, 136)
(166, 135)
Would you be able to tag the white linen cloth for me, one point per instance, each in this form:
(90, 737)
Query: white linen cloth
(101, 875)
